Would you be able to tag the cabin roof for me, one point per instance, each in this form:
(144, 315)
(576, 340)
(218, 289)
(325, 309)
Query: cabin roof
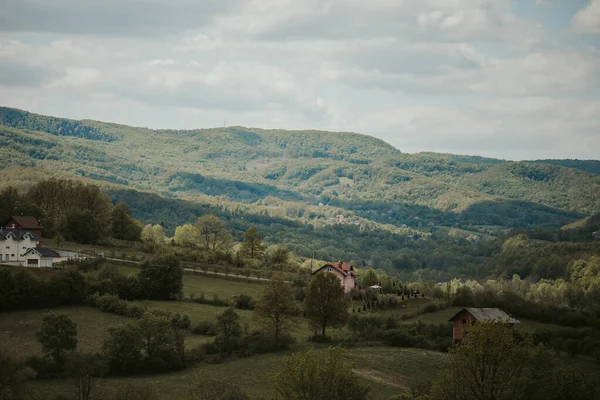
(487, 314)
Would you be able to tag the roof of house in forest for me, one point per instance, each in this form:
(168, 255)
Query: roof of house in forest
(487, 314)
(43, 252)
(26, 222)
(344, 269)
(18, 234)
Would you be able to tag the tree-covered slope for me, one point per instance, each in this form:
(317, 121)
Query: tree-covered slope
(348, 171)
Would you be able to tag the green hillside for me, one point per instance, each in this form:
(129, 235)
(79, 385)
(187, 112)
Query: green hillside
(289, 173)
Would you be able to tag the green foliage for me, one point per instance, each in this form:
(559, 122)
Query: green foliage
(161, 277)
(123, 226)
(228, 330)
(57, 335)
(153, 343)
(131, 391)
(213, 233)
(312, 376)
(325, 305)
(491, 363)
(252, 247)
(276, 309)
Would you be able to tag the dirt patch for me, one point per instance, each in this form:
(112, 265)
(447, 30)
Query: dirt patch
(394, 380)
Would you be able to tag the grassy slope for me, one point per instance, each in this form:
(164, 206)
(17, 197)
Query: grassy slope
(389, 371)
(17, 329)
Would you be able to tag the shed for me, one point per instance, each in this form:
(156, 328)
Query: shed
(40, 257)
(468, 316)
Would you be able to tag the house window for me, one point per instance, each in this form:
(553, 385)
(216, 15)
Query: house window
(12, 255)
(8, 247)
(328, 269)
(464, 321)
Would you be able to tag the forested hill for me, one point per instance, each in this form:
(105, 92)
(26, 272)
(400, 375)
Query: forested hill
(289, 173)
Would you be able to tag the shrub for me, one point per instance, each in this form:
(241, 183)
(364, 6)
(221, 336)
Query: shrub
(205, 328)
(244, 302)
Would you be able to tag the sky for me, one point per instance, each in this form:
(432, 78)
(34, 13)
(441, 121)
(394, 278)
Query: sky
(513, 79)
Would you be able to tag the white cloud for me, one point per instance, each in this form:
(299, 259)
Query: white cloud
(587, 20)
(468, 76)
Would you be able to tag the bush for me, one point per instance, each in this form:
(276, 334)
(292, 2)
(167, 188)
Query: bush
(112, 304)
(244, 302)
(206, 328)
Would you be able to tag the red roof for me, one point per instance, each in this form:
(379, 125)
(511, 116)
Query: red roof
(344, 269)
(27, 222)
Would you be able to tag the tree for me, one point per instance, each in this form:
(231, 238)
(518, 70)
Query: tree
(179, 325)
(161, 277)
(369, 278)
(186, 236)
(58, 335)
(493, 363)
(252, 246)
(214, 234)
(276, 309)
(278, 256)
(229, 330)
(314, 376)
(325, 305)
(123, 226)
(123, 348)
(154, 236)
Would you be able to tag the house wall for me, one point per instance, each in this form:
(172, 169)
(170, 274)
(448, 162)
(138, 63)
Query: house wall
(349, 283)
(462, 321)
(14, 250)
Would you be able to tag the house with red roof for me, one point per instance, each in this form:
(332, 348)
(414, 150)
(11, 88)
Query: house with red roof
(17, 236)
(25, 223)
(344, 272)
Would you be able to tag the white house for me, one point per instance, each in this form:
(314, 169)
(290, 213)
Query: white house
(40, 257)
(15, 243)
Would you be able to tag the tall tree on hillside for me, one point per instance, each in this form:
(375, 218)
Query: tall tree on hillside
(214, 234)
(252, 247)
(276, 309)
(58, 335)
(325, 305)
(123, 225)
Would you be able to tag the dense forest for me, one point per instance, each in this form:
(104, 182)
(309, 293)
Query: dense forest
(329, 196)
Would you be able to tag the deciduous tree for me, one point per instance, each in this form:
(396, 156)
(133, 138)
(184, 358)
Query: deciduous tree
(161, 277)
(317, 376)
(252, 247)
(214, 234)
(325, 305)
(277, 309)
(229, 330)
(57, 335)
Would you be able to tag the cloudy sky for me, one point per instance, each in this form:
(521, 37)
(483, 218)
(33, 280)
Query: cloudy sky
(517, 79)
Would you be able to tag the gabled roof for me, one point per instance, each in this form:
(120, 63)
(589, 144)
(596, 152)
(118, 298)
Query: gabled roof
(344, 269)
(17, 234)
(26, 222)
(488, 314)
(43, 252)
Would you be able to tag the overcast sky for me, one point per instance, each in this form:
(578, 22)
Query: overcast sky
(512, 79)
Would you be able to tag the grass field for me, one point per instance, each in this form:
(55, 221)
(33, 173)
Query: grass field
(17, 329)
(389, 371)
